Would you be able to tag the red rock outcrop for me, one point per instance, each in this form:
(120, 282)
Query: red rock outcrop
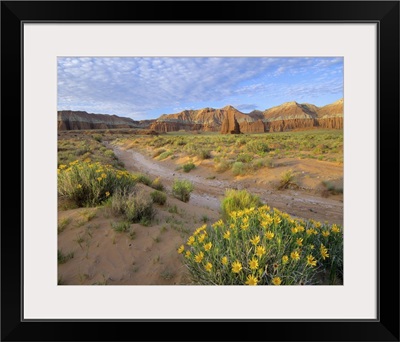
(252, 127)
(230, 125)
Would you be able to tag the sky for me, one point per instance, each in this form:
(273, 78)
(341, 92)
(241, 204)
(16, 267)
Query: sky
(145, 88)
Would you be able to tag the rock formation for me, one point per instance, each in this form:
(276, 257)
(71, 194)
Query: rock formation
(77, 120)
(226, 120)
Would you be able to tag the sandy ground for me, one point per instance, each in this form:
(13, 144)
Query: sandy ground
(148, 256)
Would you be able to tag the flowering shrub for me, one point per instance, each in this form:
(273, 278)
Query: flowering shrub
(264, 246)
(88, 183)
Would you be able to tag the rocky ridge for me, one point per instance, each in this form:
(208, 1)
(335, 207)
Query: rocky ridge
(226, 120)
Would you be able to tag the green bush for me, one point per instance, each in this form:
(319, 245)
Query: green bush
(139, 208)
(89, 184)
(239, 169)
(244, 158)
(236, 200)
(257, 147)
(188, 167)
(158, 197)
(141, 178)
(157, 185)
(223, 166)
(203, 154)
(264, 246)
(181, 189)
(134, 206)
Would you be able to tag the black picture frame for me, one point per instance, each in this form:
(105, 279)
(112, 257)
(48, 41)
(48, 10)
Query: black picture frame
(384, 13)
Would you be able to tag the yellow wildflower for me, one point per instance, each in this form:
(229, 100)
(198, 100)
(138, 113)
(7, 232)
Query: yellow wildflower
(311, 246)
(99, 179)
(232, 225)
(266, 222)
(199, 257)
(269, 235)
(208, 267)
(311, 261)
(236, 267)
(224, 260)
(325, 233)
(277, 220)
(188, 254)
(103, 175)
(295, 255)
(299, 242)
(324, 252)
(107, 193)
(227, 235)
(191, 240)
(253, 263)
(260, 251)
(207, 246)
(285, 259)
(79, 186)
(335, 229)
(300, 228)
(217, 224)
(201, 238)
(255, 240)
(181, 249)
(251, 280)
(244, 226)
(62, 166)
(310, 231)
(294, 230)
(276, 281)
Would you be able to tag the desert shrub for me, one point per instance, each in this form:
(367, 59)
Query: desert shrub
(235, 200)
(158, 152)
(332, 188)
(97, 137)
(141, 178)
(264, 246)
(181, 189)
(121, 227)
(188, 167)
(158, 197)
(157, 185)
(89, 184)
(222, 166)
(257, 147)
(110, 154)
(239, 169)
(164, 155)
(240, 142)
(139, 207)
(63, 258)
(244, 158)
(287, 179)
(203, 153)
(134, 206)
(180, 141)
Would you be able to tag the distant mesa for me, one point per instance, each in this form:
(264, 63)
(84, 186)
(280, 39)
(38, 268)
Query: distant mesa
(78, 120)
(226, 120)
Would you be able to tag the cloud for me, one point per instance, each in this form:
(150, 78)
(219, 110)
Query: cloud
(137, 86)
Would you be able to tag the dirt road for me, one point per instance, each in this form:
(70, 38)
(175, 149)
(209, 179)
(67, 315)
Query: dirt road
(209, 192)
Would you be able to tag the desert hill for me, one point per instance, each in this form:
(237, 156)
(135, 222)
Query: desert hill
(226, 120)
(77, 120)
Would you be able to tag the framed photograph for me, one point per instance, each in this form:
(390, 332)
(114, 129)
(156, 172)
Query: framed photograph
(199, 148)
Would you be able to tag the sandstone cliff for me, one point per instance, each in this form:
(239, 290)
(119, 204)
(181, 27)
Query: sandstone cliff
(78, 120)
(226, 120)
